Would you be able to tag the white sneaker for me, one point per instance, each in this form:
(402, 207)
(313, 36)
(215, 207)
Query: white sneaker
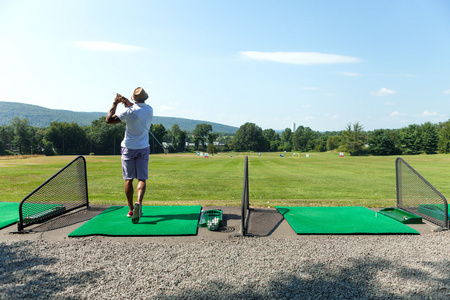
(137, 212)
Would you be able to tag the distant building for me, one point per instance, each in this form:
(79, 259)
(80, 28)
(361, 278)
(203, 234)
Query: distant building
(293, 127)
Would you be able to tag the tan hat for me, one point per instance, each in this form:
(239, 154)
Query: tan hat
(139, 95)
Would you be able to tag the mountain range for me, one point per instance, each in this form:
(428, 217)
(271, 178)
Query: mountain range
(39, 116)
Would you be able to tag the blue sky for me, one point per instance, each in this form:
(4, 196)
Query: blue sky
(320, 64)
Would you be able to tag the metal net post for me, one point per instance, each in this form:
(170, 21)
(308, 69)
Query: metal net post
(245, 199)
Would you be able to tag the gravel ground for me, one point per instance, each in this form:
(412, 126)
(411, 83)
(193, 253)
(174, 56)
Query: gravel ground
(319, 267)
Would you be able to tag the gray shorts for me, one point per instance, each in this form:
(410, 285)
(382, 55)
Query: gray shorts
(135, 163)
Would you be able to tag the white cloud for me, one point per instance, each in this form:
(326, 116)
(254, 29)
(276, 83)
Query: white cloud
(307, 106)
(300, 58)
(348, 74)
(309, 118)
(106, 46)
(310, 88)
(398, 114)
(447, 92)
(383, 92)
(428, 113)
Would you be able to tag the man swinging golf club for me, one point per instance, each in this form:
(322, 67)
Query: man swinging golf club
(135, 147)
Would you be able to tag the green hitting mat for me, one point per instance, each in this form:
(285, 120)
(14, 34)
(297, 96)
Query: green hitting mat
(341, 220)
(9, 213)
(156, 220)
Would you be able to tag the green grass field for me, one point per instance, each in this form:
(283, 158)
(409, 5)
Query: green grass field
(322, 179)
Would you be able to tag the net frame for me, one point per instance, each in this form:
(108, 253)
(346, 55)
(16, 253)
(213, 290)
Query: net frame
(65, 191)
(416, 195)
(245, 206)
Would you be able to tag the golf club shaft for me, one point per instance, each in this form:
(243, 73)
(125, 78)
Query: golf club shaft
(147, 128)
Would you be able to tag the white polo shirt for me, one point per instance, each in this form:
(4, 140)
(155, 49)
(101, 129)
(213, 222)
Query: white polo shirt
(136, 133)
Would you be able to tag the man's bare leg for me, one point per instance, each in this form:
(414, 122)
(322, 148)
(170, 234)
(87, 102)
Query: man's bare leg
(142, 185)
(129, 192)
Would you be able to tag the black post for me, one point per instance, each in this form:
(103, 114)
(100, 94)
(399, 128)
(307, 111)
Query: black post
(245, 200)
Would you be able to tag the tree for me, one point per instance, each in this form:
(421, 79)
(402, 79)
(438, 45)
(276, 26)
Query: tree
(286, 140)
(417, 139)
(444, 137)
(320, 143)
(212, 149)
(67, 139)
(249, 137)
(272, 138)
(303, 139)
(178, 138)
(382, 142)
(411, 139)
(430, 138)
(105, 138)
(182, 141)
(333, 142)
(200, 135)
(6, 137)
(159, 131)
(286, 136)
(22, 135)
(212, 136)
(228, 146)
(37, 140)
(354, 139)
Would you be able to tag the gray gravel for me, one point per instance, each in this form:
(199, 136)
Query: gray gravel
(319, 267)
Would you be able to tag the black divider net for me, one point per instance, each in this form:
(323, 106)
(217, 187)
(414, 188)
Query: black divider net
(416, 195)
(65, 191)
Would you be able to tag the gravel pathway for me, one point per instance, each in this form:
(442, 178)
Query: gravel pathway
(319, 267)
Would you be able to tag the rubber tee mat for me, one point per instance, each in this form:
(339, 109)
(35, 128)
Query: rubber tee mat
(156, 220)
(341, 220)
(9, 213)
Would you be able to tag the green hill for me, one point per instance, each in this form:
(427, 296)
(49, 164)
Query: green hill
(42, 117)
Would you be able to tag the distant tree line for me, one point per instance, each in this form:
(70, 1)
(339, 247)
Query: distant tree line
(414, 139)
(62, 138)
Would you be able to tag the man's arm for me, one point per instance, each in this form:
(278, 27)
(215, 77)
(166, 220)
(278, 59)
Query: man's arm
(111, 117)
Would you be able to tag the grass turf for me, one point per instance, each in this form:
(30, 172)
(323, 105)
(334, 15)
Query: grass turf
(322, 179)
(341, 220)
(9, 213)
(157, 220)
